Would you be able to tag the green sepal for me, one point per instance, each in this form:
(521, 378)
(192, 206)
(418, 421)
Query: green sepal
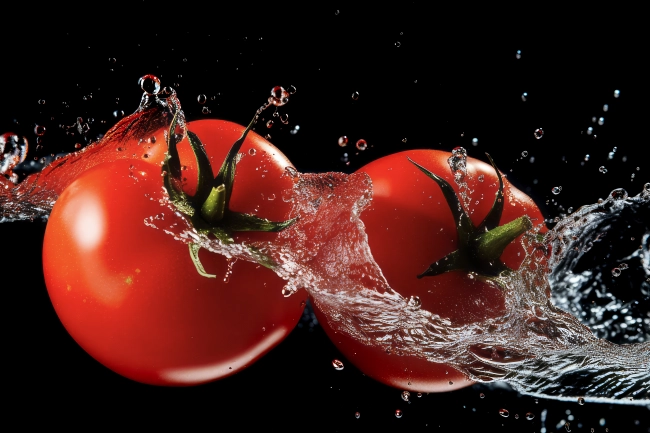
(194, 254)
(243, 222)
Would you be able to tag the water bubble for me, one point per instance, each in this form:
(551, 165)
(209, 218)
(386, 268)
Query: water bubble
(530, 416)
(269, 124)
(279, 96)
(41, 102)
(206, 110)
(355, 95)
(295, 130)
(343, 141)
(419, 394)
(284, 118)
(618, 194)
(338, 365)
(357, 415)
(404, 140)
(398, 413)
(539, 132)
(581, 401)
(201, 99)
(414, 302)
(406, 395)
(504, 413)
(616, 272)
(617, 93)
(524, 153)
(601, 120)
(118, 114)
(590, 130)
(516, 416)
(292, 89)
(602, 169)
(587, 157)
(361, 144)
(39, 130)
(556, 190)
(13, 151)
(524, 96)
(337, 12)
(481, 395)
(398, 44)
(150, 84)
(252, 151)
(481, 177)
(518, 54)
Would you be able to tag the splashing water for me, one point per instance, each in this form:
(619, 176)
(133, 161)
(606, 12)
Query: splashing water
(537, 346)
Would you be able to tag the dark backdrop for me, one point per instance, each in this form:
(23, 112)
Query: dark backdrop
(437, 79)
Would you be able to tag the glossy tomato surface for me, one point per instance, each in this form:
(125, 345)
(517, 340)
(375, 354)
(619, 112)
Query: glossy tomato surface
(410, 226)
(130, 295)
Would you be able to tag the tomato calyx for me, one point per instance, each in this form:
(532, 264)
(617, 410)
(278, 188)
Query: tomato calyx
(480, 247)
(208, 209)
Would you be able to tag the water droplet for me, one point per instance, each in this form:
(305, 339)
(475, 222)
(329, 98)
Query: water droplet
(292, 89)
(150, 84)
(481, 395)
(581, 401)
(398, 44)
(518, 54)
(279, 96)
(398, 413)
(616, 272)
(343, 141)
(357, 415)
(524, 96)
(338, 365)
(504, 413)
(404, 140)
(524, 153)
(601, 120)
(602, 169)
(337, 12)
(39, 130)
(474, 141)
(414, 302)
(556, 190)
(269, 124)
(481, 177)
(284, 118)
(406, 395)
(451, 383)
(539, 132)
(13, 151)
(617, 93)
(361, 144)
(252, 151)
(201, 99)
(530, 416)
(419, 395)
(118, 114)
(590, 130)
(41, 102)
(355, 95)
(206, 110)
(77, 146)
(587, 157)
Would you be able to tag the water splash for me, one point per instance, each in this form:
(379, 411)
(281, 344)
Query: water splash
(536, 346)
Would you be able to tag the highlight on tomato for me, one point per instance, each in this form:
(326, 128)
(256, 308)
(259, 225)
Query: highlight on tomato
(149, 307)
(441, 249)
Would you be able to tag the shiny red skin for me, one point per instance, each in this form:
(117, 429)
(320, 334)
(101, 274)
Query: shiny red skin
(130, 295)
(409, 226)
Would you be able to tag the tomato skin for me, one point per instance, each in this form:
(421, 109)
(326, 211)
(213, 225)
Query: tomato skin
(130, 295)
(409, 226)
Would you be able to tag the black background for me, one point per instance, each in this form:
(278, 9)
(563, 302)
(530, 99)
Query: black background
(453, 77)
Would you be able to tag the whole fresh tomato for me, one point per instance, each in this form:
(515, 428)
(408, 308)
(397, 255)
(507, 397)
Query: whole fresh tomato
(131, 295)
(427, 251)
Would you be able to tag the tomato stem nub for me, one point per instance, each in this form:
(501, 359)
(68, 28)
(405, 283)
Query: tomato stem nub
(480, 248)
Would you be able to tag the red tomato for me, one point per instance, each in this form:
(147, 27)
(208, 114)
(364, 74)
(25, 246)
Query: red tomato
(410, 226)
(130, 294)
